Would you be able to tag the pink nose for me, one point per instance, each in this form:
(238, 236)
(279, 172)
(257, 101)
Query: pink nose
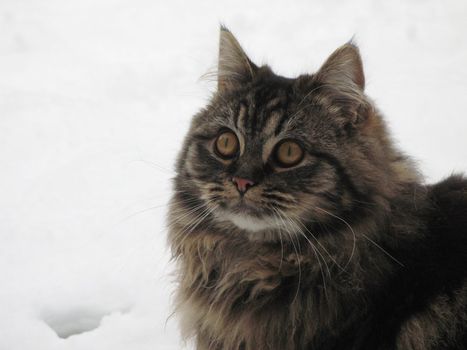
(242, 184)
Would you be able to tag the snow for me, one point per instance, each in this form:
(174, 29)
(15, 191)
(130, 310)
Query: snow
(95, 97)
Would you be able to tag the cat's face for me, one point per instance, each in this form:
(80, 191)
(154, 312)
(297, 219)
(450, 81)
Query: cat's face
(263, 154)
(272, 153)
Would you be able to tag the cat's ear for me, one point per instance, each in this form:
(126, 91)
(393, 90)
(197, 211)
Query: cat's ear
(344, 68)
(343, 79)
(234, 66)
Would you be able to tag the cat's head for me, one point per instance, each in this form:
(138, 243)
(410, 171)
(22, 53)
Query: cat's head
(270, 152)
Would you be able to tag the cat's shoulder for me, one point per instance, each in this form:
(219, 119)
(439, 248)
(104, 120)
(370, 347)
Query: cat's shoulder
(442, 274)
(454, 185)
(447, 222)
(449, 202)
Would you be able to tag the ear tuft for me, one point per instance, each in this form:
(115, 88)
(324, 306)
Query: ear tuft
(234, 66)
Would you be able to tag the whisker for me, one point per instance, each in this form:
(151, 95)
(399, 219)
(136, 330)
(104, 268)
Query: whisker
(317, 254)
(296, 254)
(318, 242)
(193, 224)
(282, 243)
(155, 166)
(364, 236)
(142, 211)
(351, 230)
(383, 250)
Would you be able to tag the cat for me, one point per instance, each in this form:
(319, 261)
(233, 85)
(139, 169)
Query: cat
(297, 224)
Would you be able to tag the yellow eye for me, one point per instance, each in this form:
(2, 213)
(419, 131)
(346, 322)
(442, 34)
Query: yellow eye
(227, 145)
(289, 153)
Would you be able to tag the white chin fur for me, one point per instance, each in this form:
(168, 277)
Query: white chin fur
(249, 223)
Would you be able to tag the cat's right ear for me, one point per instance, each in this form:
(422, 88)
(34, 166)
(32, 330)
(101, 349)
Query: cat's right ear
(234, 67)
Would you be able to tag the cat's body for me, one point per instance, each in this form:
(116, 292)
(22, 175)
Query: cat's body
(340, 247)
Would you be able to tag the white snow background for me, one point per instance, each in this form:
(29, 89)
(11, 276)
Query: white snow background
(95, 97)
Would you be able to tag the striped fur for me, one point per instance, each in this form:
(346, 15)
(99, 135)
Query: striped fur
(346, 250)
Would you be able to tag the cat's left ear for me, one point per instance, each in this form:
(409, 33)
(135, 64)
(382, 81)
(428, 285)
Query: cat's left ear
(343, 79)
(234, 66)
(344, 68)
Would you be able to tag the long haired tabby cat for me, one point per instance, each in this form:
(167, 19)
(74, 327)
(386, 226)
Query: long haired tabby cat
(297, 224)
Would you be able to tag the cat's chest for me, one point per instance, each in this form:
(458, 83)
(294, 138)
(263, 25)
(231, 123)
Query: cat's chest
(231, 270)
(236, 283)
(238, 295)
